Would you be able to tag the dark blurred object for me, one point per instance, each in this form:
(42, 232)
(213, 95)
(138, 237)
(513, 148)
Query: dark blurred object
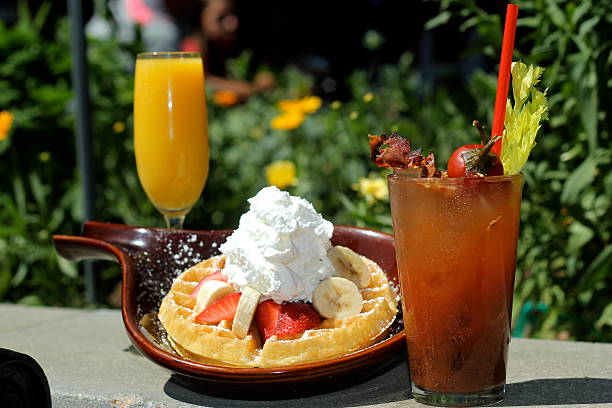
(330, 39)
(22, 382)
(84, 143)
(326, 38)
(8, 10)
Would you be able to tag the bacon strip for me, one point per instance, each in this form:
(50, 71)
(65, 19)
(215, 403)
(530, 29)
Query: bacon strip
(394, 152)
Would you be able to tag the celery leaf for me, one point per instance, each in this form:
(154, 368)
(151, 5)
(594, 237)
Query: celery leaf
(523, 118)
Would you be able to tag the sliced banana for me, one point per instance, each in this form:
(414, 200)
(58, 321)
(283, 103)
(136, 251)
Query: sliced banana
(337, 298)
(210, 292)
(245, 311)
(349, 265)
(225, 324)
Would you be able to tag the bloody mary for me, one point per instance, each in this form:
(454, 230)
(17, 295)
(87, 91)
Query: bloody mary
(456, 241)
(456, 235)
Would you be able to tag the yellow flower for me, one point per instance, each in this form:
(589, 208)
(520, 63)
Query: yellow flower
(44, 157)
(287, 120)
(336, 105)
(294, 112)
(373, 188)
(281, 174)
(367, 98)
(354, 115)
(308, 104)
(289, 105)
(6, 121)
(225, 98)
(119, 126)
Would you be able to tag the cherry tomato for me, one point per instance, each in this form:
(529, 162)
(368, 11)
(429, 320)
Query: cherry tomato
(456, 164)
(467, 159)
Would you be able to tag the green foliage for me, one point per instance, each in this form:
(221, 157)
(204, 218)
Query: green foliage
(37, 198)
(564, 252)
(40, 194)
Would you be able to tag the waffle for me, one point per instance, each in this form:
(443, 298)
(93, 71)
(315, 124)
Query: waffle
(217, 345)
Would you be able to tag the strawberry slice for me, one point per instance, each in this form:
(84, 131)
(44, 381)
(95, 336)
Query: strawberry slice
(266, 316)
(213, 276)
(296, 318)
(222, 309)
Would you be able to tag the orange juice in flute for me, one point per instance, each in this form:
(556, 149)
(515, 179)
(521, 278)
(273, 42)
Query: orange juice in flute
(170, 131)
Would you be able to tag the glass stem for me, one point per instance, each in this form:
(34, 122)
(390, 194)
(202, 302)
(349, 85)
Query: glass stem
(174, 221)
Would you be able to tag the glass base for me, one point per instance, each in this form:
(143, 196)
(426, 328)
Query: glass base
(472, 399)
(174, 222)
(174, 218)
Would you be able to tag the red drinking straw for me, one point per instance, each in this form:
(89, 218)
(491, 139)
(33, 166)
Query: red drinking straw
(503, 80)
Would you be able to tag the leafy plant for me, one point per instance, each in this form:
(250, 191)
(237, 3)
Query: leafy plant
(38, 198)
(40, 191)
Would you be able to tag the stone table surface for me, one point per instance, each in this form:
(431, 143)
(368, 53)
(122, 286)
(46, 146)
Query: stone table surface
(89, 362)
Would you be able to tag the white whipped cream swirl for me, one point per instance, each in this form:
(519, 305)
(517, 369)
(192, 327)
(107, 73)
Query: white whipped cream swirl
(280, 247)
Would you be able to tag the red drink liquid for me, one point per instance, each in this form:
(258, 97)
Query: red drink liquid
(456, 245)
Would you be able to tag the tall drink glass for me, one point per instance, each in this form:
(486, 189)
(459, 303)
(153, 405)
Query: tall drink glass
(171, 131)
(456, 245)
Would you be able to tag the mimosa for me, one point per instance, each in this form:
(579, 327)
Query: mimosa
(170, 130)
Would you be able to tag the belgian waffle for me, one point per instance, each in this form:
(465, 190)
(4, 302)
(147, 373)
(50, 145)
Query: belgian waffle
(216, 344)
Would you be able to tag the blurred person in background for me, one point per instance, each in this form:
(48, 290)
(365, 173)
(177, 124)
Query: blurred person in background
(210, 27)
(216, 38)
(163, 23)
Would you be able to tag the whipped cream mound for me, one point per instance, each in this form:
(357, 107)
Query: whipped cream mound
(280, 247)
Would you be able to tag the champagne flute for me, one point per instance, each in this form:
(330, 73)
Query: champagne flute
(171, 131)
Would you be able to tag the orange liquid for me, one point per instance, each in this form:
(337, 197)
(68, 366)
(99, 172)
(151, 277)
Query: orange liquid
(171, 131)
(456, 252)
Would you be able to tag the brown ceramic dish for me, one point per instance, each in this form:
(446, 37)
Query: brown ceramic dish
(151, 258)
